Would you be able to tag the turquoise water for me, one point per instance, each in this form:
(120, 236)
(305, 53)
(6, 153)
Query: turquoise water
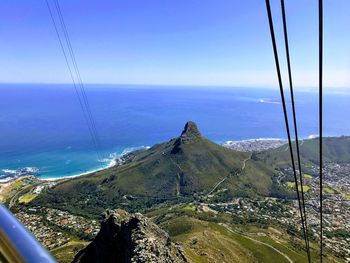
(42, 126)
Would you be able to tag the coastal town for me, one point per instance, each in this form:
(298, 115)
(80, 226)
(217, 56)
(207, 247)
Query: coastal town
(254, 145)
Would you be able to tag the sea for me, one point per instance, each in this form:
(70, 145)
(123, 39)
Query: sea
(43, 130)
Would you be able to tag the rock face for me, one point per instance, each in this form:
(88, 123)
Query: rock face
(190, 131)
(189, 134)
(130, 238)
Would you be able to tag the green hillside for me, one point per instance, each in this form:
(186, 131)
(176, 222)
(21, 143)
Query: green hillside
(184, 167)
(215, 237)
(335, 149)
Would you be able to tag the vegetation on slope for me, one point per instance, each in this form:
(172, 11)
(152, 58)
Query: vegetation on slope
(335, 149)
(185, 167)
(209, 237)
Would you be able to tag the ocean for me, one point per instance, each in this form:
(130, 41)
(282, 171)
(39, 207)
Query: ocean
(42, 125)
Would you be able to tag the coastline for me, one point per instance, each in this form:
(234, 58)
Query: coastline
(10, 180)
(54, 179)
(112, 162)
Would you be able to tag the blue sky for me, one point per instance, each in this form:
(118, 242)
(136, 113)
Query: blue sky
(182, 42)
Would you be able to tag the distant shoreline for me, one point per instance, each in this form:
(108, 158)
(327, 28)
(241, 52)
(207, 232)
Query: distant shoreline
(111, 164)
(14, 178)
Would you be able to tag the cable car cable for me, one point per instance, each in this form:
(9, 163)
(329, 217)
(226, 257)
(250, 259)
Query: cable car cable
(285, 31)
(77, 72)
(73, 80)
(320, 64)
(268, 8)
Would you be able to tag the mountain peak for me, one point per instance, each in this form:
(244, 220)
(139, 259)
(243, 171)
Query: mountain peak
(190, 130)
(189, 134)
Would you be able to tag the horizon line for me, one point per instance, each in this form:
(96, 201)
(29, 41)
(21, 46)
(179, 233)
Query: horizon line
(308, 89)
(170, 85)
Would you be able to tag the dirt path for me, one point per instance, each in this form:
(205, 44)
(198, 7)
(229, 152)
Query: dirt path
(245, 160)
(226, 177)
(260, 242)
(217, 185)
(178, 177)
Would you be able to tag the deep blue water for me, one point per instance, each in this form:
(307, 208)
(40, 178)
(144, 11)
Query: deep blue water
(43, 125)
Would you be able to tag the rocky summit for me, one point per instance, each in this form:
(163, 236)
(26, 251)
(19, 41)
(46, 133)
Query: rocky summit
(189, 134)
(132, 238)
(190, 131)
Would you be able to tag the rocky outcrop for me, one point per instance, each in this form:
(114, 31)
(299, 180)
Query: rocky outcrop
(190, 131)
(127, 238)
(189, 134)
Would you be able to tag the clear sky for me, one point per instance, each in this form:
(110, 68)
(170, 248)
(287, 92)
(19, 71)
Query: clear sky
(175, 42)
